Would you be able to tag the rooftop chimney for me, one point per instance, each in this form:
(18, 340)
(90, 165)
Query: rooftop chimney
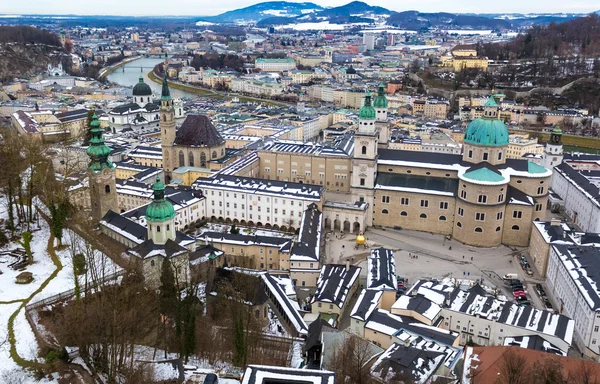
(347, 265)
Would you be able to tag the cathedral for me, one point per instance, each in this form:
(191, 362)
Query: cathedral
(194, 144)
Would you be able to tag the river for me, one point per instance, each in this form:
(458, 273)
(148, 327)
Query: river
(128, 75)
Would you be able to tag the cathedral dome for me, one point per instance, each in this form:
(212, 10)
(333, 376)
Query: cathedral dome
(142, 89)
(159, 210)
(367, 112)
(487, 132)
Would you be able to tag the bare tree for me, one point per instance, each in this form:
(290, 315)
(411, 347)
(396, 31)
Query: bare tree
(513, 368)
(350, 361)
(547, 371)
(585, 374)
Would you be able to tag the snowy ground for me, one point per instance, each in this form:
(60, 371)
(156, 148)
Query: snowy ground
(42, 268)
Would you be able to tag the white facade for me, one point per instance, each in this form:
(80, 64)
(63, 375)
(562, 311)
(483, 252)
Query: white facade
(574, 301)
(275, 65)
(583, 210)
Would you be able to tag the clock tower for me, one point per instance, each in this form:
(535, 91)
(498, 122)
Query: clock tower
(101, 174)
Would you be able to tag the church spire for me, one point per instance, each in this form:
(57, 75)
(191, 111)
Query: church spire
(165, 93)
(98, 151)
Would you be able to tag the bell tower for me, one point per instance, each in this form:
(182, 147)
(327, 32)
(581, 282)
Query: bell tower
(160, 216)
(101, 174)
(364, 163)
(553, 153)
(167, 124)
(380, 103)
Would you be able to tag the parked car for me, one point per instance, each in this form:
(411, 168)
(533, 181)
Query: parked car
(518, 293)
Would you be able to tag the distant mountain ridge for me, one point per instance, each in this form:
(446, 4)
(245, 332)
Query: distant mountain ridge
(283, 12)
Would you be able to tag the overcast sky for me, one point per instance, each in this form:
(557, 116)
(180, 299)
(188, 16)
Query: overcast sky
(206, 7)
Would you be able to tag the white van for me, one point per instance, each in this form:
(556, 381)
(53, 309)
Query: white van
(510, 276)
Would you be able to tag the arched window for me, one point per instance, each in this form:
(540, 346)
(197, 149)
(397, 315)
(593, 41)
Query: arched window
(107, 188)
(191, 159)
(478, 230)
(158, 228)
(214, 154)
(442, 218)
(164, 117)
(364, 150)
(203, 160)
(385, 211)
(403, 213)
(498, 229)
(423, 216)
(181, 159)
(222, 152)
(515, 228)
(167, 227)
(458, 224)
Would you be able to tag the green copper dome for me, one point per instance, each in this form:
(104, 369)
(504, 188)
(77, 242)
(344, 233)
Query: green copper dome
(487, 132)
(98, 151)
(159, 209)
(141, 88)
(367, 112)
(380, 101)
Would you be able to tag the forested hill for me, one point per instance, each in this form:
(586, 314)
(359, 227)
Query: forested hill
(26, 51)
(28, 35)
(578, 37)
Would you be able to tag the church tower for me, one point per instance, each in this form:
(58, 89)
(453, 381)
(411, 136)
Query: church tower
(167, 125)
(101, 174)
(380, 103)
(160, 216)
(364, 164)
(553, 153)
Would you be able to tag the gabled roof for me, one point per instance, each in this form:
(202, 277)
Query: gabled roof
(334, 284)
(381, 270)
(366, 304)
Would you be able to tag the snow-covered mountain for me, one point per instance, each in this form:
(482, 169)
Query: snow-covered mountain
(260, 11)
(285, 13)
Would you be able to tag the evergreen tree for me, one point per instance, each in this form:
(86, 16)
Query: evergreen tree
(168, 290)
(239, 341)
(58, 220)
(26, 244)
(88, 134)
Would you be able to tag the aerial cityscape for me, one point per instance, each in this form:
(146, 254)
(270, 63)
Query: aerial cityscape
(299, 193)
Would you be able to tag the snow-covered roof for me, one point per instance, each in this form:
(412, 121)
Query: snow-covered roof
(381, 270)
(582, 265)
(399, 358)
(290, 310)
(334, 284)
(262, 374)
(419, 304)
(366, 304)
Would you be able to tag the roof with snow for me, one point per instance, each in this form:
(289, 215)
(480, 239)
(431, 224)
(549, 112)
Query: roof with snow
(262, 374)
(476, 302)
(401, 359)
(582, 264)
(366, 304)
(419, 304)
(287, 307)
(381, 270)
(308, 245)
(334, 284)
(534, 342)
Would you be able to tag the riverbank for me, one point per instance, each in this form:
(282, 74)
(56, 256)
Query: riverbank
(104, 72)
(214, 94)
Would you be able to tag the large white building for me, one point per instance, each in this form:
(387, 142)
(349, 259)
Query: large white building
(275, 65)
(142, 113)
(251, 201)
(576, 181)
(573, 282)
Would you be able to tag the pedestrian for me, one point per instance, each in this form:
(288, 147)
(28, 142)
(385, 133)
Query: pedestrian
(471, 258)
(463, 257)
(469, 273)
(464, 273)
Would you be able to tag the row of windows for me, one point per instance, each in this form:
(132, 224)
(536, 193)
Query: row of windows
(485, 155)
(404, 213)
(480, 230)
